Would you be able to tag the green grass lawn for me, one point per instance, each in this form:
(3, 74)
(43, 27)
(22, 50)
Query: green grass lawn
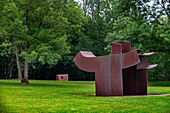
(71, 96)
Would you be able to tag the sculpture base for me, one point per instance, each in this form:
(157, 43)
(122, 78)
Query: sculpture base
(128, 95)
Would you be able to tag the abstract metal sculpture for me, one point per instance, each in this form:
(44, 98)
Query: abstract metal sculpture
(62, 77)
(122, 73)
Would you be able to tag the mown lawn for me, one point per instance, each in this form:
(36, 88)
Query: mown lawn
(72, 96)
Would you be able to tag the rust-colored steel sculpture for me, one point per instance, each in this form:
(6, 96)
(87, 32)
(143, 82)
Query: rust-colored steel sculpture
(62, 77)
(122, 73)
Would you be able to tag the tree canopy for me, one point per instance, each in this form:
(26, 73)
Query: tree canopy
(45, 35)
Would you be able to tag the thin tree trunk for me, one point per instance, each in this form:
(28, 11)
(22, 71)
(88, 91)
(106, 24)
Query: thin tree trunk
(26, 71)
(11, 65)
(6, 68)
(1, 72)
(18, 63)
(25, 80)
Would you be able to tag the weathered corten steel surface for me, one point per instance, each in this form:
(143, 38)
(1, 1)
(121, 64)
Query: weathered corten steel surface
(122, 73)
(62, 77)
(85, 61)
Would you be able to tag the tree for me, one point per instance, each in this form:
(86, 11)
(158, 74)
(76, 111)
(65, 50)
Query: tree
(154, 10)
(38, 29)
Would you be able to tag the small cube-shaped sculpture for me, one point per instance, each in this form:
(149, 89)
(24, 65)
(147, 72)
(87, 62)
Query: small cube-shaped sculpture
(62, 77)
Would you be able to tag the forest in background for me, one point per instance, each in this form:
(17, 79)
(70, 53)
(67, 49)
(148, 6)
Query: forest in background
(39, 38)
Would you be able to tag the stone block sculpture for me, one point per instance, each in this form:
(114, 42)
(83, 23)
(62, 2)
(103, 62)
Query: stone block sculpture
(122, 73)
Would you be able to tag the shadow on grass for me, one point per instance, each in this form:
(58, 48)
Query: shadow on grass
(37, 84)
(150, 84)
(159, 84)
(2, 106)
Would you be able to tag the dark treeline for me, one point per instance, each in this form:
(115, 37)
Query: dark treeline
(39, 38)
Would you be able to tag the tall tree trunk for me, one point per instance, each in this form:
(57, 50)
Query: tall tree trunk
(18, 63)
(25, 80)
(26, 72)
(11, 64)
(19, 75)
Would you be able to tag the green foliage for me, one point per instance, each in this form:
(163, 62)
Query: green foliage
(40, 29)
(128, 30)
(52, 31)
(147, 27)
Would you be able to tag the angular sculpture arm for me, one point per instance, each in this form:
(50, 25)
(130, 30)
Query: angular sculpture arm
(144, 61)
(130, 59)
(85, 61)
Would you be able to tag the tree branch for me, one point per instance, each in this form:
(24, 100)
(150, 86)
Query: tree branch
(164, 7)
(143, 6)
